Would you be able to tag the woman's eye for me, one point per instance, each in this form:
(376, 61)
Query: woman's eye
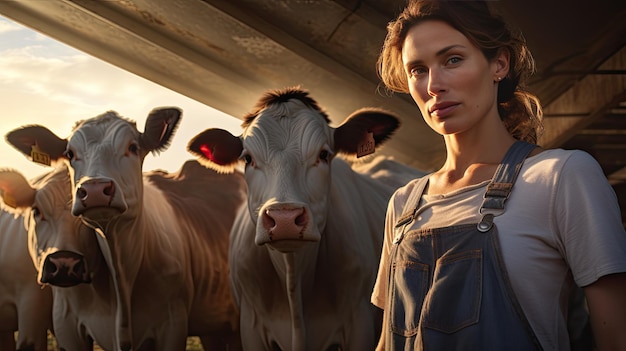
(417, 71)
(454, 60)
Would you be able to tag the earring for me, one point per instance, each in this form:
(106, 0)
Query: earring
(499, 78)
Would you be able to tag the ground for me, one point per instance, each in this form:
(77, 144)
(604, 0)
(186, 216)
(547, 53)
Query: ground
(193, 344)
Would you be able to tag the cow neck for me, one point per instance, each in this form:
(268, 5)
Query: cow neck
(118, 245)
(122, 289)
(303, 264)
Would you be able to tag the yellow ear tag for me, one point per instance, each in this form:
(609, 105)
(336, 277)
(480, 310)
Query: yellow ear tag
(367, 146)
(39, 156)
(9, 200)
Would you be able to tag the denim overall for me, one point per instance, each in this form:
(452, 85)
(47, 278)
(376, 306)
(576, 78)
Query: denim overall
(448, 287)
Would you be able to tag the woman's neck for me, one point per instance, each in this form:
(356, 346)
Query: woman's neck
(470, 160)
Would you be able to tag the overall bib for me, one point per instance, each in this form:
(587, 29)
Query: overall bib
(448, 287)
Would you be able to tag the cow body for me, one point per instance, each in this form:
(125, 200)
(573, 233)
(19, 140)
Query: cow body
(163, 241)
(65, 254)
(25, 306)
(329, 279)
(304, 253)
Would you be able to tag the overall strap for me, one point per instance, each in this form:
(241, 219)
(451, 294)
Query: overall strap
(501, 184)
(410, 206)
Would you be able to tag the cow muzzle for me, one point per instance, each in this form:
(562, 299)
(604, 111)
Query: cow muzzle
(65, 268)
(98, 199)
(285, 225)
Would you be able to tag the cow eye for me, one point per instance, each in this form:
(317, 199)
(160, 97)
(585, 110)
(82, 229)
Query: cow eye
(133, 148)
(324, 155)
(69, 154)
(37, 213)
(247, 159)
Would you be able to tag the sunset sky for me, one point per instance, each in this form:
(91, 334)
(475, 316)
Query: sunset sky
(43, 81)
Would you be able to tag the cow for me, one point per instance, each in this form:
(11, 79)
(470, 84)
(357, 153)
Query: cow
(163, 237)
(66, 254)
(25, 306)
(304, 253)
(387, 170)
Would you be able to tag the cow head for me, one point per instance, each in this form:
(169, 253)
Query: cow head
(105, 155)
(58, 242)
(288, 147)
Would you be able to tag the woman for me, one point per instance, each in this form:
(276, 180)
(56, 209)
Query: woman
(474, 264)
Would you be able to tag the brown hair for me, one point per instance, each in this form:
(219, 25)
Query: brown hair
(519, 110)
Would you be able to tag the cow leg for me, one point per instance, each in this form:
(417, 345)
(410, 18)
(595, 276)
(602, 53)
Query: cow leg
(251, 330)
(7, 340)
(35, 318)
(68, 341)
(363, 331)
(69, 334)
(172, 334)
(221, 340)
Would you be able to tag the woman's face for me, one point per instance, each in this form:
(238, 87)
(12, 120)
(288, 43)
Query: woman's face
(449, 78)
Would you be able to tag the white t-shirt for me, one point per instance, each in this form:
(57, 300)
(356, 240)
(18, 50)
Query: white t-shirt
(561, 225)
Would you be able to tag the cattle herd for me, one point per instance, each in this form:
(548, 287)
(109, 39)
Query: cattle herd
(263, 241)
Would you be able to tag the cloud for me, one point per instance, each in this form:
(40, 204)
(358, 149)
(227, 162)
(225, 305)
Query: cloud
(7, 26)
(45, 82)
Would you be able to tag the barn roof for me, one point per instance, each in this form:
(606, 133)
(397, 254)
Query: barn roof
(226, 53)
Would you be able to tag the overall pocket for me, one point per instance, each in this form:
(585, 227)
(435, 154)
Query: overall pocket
(454, 299)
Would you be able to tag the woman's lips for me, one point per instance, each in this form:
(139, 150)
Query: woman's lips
(443, 110)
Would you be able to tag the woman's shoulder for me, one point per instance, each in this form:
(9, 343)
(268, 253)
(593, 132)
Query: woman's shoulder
(401, 195)
(566, 158)
(569, 166)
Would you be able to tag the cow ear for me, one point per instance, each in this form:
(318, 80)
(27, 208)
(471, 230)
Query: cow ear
(216, 149)
(363, 130)
(37, 143)
(15, 190)
(160, 127)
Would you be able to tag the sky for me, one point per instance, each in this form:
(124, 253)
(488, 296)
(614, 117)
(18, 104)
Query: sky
(43, 81)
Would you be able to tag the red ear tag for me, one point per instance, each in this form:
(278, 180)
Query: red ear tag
(367, 146)
(207, 152)
(39, 156)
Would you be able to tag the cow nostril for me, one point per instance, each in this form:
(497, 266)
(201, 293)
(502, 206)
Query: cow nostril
(81, 193)
(302, 219)
(268, 221)
(109, 190)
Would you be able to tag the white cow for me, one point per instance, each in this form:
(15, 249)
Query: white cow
(25, 306)
(164, 237)
(387, 170)
(304, 253)
(65, 254)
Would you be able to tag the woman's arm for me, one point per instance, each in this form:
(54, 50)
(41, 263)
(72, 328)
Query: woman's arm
(606, 299)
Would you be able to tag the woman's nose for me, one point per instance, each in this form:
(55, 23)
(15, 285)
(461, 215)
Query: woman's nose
(435, 86)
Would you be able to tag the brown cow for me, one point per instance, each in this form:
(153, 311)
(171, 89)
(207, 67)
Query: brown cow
(163, 237)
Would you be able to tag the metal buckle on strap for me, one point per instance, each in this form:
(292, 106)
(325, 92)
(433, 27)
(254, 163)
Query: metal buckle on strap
(493, 204)
(405, 219)
(499, 190)
(400, 227)
(486, 222)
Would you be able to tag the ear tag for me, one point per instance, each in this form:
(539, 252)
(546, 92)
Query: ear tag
(9, 200)
(367, 146)
(39, 156)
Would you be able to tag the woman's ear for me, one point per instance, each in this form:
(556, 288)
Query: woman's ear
(501, 64)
